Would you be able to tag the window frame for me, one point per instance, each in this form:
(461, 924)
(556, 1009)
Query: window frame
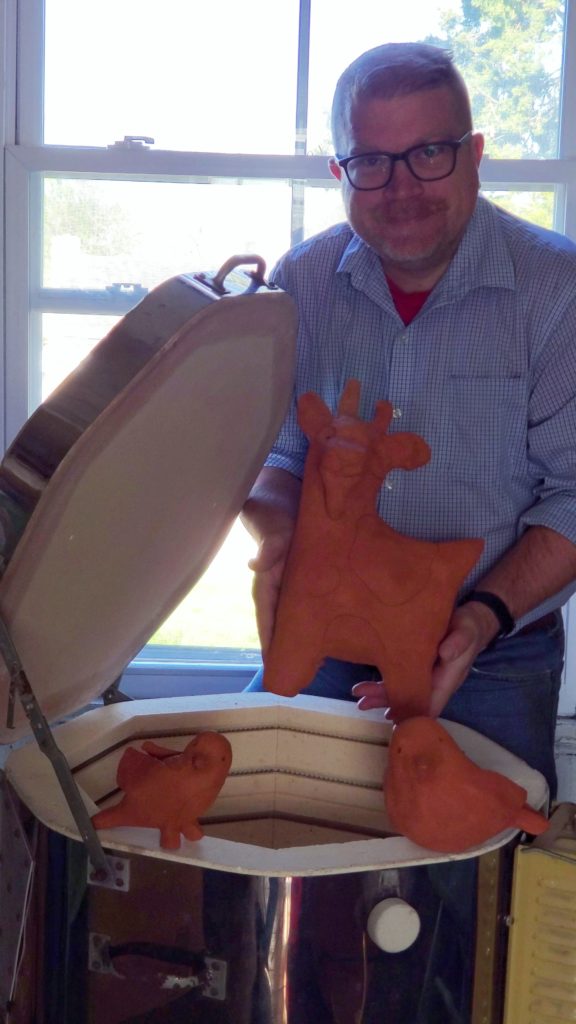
(26, 158)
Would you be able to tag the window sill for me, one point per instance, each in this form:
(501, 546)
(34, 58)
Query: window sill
(188, 671)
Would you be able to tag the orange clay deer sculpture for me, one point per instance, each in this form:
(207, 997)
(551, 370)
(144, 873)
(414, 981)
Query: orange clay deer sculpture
(354, 588)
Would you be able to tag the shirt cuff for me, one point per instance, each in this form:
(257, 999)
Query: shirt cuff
(292, 463)
(557, 513)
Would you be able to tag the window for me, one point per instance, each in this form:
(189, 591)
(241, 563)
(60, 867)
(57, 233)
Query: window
(143, 141)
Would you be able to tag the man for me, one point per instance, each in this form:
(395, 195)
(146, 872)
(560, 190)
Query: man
(465, 319)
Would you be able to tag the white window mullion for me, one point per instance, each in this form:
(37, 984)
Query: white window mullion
(8, 36)
(151, 164)
(301, 143)
(566, 133)
(8, 62)
(17, 293)
(30, 105)
(569, 225)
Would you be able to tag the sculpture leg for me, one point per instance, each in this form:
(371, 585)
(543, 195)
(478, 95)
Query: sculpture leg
(408, 682)
(112, 817)
(192, 831)
(288, 678)
(170, 837)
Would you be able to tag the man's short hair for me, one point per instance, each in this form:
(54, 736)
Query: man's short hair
(391, 70)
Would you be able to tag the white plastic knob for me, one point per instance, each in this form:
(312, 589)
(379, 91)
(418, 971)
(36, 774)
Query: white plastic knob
(393, 925)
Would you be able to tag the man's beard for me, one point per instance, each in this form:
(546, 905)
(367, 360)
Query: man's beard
(410, 249)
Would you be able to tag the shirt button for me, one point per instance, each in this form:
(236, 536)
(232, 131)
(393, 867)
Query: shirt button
(396, 414)
(388, 485)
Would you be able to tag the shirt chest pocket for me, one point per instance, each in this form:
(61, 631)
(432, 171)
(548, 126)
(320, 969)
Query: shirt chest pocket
(486, 422)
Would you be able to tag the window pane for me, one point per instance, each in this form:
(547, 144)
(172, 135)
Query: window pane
(537, 207)
(194, 76)
(66, 339)
(322, 208)
(335, 42)
(510, 55)
(97, 233)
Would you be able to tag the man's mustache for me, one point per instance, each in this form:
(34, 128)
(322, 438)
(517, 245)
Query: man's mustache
(398, 210)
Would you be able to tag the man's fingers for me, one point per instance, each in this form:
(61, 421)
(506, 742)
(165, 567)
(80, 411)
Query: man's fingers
(370, 694)
(456, 655)
(265, 594)
(445, 681)
(268, 567)
(270, 552)
(453, 646)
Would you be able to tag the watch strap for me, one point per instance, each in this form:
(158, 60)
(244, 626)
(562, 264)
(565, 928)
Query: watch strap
(496, 605)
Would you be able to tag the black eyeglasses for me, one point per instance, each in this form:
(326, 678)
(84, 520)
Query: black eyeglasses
(430, 162)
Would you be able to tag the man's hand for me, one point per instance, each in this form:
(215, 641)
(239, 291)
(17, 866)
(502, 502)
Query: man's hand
(270, 515)
(471, 629)
(469, 632)
(268, 566)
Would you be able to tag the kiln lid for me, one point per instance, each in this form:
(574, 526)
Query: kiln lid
(138, 506)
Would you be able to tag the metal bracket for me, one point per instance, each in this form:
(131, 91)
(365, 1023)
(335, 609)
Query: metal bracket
(99, 961)
(20, 685)
(118, 877)
(113, 694)
(216, 986)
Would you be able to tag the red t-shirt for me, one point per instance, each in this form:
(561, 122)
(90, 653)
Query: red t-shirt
(408, 304)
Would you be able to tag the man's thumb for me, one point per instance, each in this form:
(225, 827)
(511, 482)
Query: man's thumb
(455, 644)
(271, 551)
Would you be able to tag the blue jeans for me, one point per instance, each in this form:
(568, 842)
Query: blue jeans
(510, 696)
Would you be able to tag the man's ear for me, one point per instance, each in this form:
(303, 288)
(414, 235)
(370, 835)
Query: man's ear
(477, 141)
(335, 168)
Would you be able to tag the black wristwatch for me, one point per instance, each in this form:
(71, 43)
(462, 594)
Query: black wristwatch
(496, 605)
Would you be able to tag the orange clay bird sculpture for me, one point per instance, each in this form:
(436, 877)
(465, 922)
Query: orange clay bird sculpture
(168, 790)
(440, 799)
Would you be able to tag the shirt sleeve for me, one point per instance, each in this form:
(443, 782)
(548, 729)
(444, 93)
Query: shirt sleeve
(290, 447)
(552, 430)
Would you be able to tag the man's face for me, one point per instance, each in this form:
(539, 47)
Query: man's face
(414, 226)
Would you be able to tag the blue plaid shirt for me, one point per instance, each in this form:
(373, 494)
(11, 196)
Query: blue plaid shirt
(486, 373)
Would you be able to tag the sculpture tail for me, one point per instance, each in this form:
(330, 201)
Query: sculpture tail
(531, 821)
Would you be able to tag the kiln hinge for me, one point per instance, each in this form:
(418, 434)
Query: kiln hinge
(20, 685)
